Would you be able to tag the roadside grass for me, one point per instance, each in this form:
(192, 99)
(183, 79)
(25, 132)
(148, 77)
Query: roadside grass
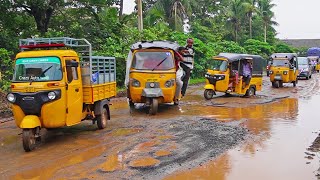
(195, 81)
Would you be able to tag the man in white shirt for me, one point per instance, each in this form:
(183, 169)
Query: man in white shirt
(187, 64)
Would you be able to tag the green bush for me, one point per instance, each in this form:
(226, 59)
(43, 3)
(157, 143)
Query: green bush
(6, 69)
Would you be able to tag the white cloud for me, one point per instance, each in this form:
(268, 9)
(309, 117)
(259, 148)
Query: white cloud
(298, 19)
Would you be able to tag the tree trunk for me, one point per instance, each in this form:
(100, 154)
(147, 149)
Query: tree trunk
(121, 8)
(42, 19)
(250, 26)
(236, 34)
(175, 16)
(265, 32)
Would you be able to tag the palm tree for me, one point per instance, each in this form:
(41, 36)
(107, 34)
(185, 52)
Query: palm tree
(174, 11)
(235, 13)
(250, 9)
(266, 13)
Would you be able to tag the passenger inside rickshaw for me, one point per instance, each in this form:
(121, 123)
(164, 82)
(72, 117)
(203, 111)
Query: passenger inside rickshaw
(234, 75)
(246, 72)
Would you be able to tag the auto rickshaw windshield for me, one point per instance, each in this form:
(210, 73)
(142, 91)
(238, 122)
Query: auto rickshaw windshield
(278, 62)
(38, 69)
(151, 60)
(218, 65)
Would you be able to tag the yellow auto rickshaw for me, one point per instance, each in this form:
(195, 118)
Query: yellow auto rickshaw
(284, 69)
(226, 74)
(151, 74)
(50, 90)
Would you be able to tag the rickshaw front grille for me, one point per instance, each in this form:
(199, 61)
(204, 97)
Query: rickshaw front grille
(156, 85)
(31, 103)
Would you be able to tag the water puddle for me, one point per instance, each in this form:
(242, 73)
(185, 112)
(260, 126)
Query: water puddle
(46, 171)
(162, 153)
(282, 132)
(9, 140)
(114, 162)
(126, 131)
(144, 162)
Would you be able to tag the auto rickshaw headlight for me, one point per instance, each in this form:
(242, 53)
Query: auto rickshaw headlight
(51, 95)
(285, 72)
(135, 83)
(169, 83)
(11, 98)
(271, 72)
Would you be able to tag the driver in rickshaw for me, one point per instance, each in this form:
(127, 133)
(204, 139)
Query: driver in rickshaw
(247, 72)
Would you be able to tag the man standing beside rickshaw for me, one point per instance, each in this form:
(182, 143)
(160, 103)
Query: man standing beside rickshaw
(187, 64)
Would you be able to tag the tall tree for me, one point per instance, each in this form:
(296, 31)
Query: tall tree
(174, 11)
(41, 10)
(266, 13)
(250, 9)
(235, 13)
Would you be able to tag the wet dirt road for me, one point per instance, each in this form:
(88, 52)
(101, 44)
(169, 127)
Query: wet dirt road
(265, 137)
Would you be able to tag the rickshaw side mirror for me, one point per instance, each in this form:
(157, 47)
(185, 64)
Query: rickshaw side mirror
(72, 63)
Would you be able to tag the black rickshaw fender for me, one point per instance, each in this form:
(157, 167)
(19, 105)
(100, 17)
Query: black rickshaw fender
(99, 105)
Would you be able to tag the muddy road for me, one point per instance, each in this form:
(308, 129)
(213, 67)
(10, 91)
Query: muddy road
(264, 137)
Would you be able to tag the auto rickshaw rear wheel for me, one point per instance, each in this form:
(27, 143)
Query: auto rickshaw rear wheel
(29, 139)
(208, 94)
(102, 119)
(251, 92)
(153, 106)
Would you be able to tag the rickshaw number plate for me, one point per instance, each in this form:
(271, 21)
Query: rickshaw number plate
(278, 77)
(30, 89)
(152, 80)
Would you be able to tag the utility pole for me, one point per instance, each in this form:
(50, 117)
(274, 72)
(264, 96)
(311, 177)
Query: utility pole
(140, 18)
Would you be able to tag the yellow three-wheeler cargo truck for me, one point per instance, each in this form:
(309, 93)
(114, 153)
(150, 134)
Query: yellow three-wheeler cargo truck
(53, 86)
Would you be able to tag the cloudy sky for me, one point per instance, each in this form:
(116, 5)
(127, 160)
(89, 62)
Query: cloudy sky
(298, 19)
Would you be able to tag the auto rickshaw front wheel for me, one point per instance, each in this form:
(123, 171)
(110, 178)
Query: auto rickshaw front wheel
(276, 84)
(295, 83)
(208, 94)
(29, 139)
(102, 119)
(153, 106)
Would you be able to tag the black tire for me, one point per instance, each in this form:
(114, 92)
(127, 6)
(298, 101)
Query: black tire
(280, 84)
(208, 94)
(276, 84)
(307, 78)
(153, 106)
(131, 104)
(29, 139)
(250, 92)
(102, 119)
(295, 83)
(318, 71)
